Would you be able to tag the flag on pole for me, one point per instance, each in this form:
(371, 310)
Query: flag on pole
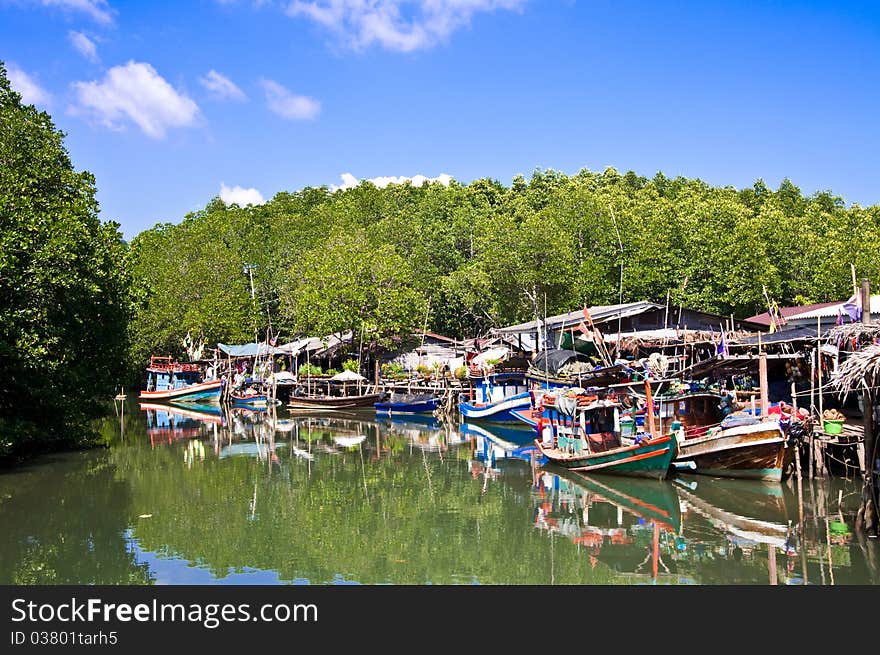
(721, 349)
(853, 307)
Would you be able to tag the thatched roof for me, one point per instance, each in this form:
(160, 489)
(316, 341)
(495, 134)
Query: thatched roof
(862, 332)
(860, 371)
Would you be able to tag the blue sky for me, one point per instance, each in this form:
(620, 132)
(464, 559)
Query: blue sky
(170, 103)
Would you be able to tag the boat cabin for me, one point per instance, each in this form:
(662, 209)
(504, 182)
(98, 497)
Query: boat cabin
(580, 424)
(164, 374)
(496, 387)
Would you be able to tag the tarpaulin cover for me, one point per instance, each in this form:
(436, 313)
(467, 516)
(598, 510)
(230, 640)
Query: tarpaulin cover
(553, 360)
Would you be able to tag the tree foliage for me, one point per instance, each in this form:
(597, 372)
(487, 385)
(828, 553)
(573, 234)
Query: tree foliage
(481, 255)
(63, 286)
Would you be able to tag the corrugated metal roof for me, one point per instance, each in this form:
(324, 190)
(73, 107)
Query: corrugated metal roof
(832, 310)
(599, 314)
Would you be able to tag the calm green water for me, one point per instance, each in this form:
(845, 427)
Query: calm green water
(244, 497)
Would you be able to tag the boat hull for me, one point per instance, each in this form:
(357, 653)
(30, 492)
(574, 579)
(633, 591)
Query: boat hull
(333, 402)
(250, 401)
(203, 392)
(500, 411)
(755, 452)
(421, 407)
(650, 458)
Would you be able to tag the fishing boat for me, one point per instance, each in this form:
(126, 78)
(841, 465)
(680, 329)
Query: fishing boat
(713, 442)
(243, 399)
(756, 451)
(581, 432)
(170, 380)
(312, 403)
(408, 404)
(493, 396)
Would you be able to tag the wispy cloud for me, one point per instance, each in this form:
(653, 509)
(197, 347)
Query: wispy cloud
(240, 196)
(221, 86)
(289, 105)
(349, 181)
(98, 10)
(135, 92)
(31, 92)
(400, 25)
(84, 46)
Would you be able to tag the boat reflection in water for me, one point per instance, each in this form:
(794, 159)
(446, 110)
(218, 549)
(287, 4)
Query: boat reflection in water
(629, 524)
(498, 448)
(712, 531)
(168, 423)
(743, 526)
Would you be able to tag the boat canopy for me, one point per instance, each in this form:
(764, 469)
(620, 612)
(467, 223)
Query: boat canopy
(249, 350)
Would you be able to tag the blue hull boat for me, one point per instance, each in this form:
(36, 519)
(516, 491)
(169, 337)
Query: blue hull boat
(500, 411)
(422, 406)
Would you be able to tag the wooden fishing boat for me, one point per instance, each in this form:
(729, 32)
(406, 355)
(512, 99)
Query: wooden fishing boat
(171, 380)
(311, 403)
(582, 432)
(408, 404)
(710, 443)
(754, 451)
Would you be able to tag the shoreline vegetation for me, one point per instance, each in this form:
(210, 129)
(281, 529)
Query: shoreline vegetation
(82, 310)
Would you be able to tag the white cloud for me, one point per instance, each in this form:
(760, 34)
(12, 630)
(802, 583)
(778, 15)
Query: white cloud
(221, 86)
(240, 196)
(289, 105)
(137, 93)
(402, 25)
(349, 181)
(31, 92)
(84, 46)
(97, 10)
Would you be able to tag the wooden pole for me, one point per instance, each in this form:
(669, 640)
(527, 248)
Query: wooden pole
(870, 512)
(819, 365)
(649, 408)
(868, 396)
(771, 561)
(762, 375)
(812, 410)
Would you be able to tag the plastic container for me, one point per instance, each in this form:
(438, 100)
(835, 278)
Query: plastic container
(627, 427)
(832, 426)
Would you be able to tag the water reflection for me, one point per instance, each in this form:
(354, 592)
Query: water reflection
(627, 523)
(228, 496)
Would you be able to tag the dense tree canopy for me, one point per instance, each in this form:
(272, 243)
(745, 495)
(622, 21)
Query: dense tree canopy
(63, 286)
(483, 254)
